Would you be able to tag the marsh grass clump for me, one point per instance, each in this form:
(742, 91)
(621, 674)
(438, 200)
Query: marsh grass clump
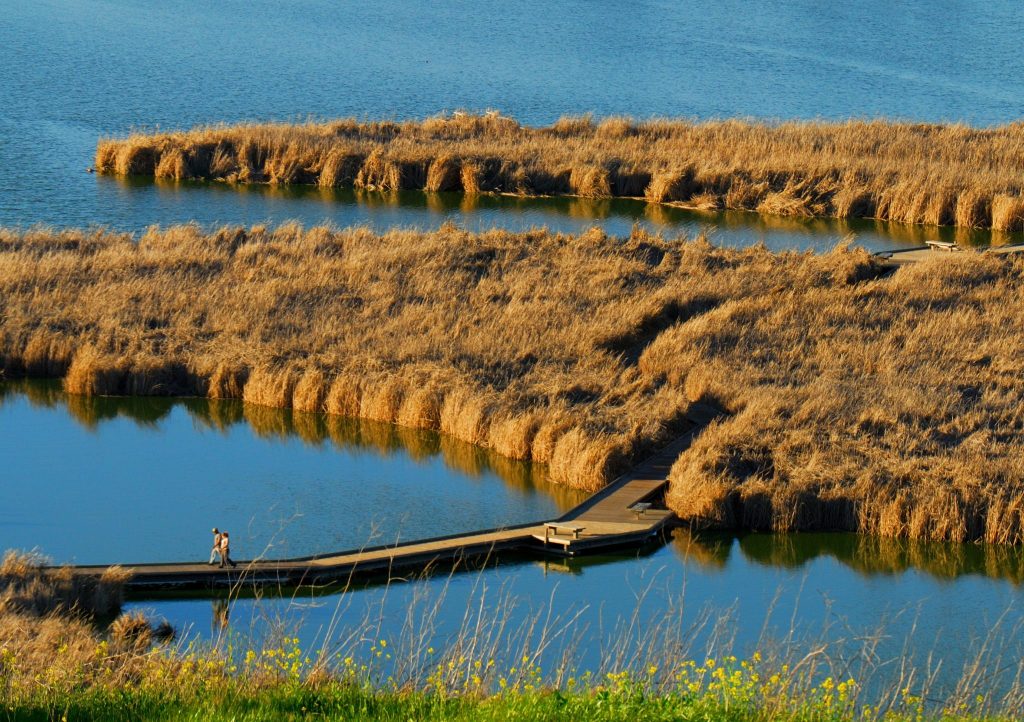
(27, 585)
(885, 407)
(131, 632)
(915, 173)
(857, 399)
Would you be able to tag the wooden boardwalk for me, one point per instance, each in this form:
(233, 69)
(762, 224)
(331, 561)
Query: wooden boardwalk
(604, 521)
(942, 250)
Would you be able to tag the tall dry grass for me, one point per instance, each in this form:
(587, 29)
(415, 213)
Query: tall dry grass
(27, 586)
(889, 405)
(905, 172)
(495, 339)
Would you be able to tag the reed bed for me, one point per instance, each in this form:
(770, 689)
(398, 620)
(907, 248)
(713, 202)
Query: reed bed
(883, 404)
(487, 338)
(913, 173)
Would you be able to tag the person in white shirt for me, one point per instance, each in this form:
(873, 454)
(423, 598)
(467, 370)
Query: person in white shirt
(216, 545)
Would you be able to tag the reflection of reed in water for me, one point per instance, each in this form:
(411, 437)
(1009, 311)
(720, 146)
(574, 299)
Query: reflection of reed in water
(384, 439)
(443, 202)
(309, 427)
(660, 215)
(473, 460)
(378, 199)
(377, 436)
(469, 203)
(708, 550)
(40, 394)
(145, 411)
(464, 457)
(343, 431)
(871, 555)
(312, 428)
(221, 614)
(420, 445)
(217, 414)
(943, 560)
(267, 422)
(589, 208)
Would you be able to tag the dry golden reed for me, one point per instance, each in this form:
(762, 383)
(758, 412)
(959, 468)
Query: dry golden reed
(857, 400)
(27, 586)
(935, 174)
(484, 337)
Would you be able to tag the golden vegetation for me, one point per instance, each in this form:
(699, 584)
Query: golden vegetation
(28, 587)
(48, 630)
(889, 405)
(902, 172)
(498, 661)
(509, 341)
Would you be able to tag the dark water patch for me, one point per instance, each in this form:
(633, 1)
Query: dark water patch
(212, 204)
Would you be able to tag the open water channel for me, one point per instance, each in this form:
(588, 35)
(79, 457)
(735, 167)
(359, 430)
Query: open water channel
(121, 480)
(124, 480)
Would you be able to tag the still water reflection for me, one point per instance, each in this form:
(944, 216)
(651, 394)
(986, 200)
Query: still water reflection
(696, 595)
(87, 479)
(144, 479)
(214, 203)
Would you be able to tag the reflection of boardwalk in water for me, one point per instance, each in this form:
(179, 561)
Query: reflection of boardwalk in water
(606, 520)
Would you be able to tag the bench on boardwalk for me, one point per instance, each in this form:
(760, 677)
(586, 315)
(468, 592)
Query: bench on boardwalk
(561, 533)
(640, 508)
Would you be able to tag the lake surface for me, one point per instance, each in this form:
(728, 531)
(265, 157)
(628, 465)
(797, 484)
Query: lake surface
(96, 480)
(107, 480)
(695, 596)
(79, 70)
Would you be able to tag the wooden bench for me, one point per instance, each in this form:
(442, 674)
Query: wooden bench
(552, 533)
(640, 508)
(942, 246)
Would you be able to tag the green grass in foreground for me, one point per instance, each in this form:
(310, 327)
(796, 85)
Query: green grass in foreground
(340, 701)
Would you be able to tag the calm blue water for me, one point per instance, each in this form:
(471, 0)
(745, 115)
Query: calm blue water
(106, 480)
(144, 479)
(78, 70)
(130, 480)
(758, 587)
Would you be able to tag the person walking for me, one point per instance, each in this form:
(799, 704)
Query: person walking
(216, 545)
(225, 550)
